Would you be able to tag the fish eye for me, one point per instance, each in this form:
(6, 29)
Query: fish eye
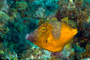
(43, 29)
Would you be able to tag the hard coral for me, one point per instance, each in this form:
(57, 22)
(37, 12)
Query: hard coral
(4, 18)
(3, 5)
(40, 13)
(20, 5)
(82, 16)
(3, 31)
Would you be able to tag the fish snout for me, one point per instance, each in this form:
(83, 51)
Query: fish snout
(27, 36)
(30, 37)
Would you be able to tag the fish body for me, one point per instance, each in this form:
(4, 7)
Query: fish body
(52, 35)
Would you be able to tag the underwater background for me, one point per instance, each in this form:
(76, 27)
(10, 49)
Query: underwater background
(19, 17)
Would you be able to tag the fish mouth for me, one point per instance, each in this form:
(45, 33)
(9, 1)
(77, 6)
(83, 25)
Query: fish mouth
(27, 36)
(30, 37)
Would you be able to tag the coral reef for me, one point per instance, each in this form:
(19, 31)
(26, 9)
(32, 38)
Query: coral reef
(3, 5)
(19, 17)
(40, 12)
(20, 5)
(4, 19)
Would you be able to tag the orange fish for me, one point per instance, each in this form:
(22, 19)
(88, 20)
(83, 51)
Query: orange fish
(52, 35)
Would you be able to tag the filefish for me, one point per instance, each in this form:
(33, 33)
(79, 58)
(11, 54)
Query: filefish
(52, 35)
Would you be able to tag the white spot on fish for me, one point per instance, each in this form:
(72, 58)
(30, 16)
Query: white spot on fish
(27, 35)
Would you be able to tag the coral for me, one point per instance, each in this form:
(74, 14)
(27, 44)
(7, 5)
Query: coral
(3, 5)
(40, 13)
(35, 53)
(57, 55)
(13, 13)
(86, 29)
(87, 52)
(7, 55)
(4, 19)
(82, 16)
(3, 31)
(84, 33)
(18, 17)
(20, 5)
(12, 56)
(45, 8)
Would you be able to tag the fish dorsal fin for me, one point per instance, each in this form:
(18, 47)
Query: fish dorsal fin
(65, 19)
(56, 29)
